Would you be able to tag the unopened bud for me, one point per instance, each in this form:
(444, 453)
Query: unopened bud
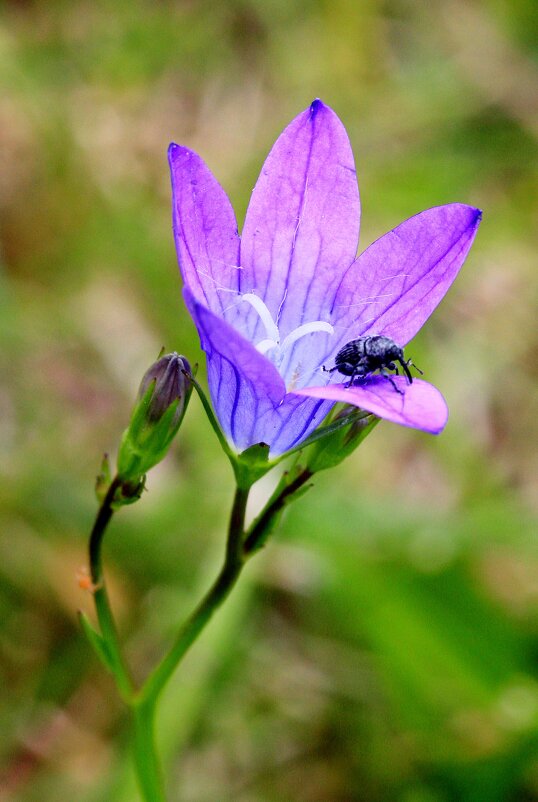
(171, 376)
(162, 400)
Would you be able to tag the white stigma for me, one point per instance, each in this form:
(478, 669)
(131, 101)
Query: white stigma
(272, 341)
(265, 316)
(306, 328)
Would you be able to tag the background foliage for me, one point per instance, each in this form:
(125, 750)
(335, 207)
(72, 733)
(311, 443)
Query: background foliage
(385, 645)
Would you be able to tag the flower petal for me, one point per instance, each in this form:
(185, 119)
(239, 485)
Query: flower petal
(302, 225)
(245, 387)
(421, 406)
(291, 422)
(394, 286)
(247, 391)
(205, 230)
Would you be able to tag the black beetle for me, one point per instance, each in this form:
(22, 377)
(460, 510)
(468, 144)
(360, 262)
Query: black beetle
(360, 357)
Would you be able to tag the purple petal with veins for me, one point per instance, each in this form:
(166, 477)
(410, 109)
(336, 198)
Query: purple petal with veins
(419, 405)
(394, 286)
(302, 225)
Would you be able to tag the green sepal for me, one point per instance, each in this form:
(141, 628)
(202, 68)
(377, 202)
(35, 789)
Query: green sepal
(342, 436)
(128, 492)
(96, 641)
(103, 479)
(232, 456)
(141, 446)
(140, 411)
(333, 424)
(251, 464)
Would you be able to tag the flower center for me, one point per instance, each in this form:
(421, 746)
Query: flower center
(272, 346)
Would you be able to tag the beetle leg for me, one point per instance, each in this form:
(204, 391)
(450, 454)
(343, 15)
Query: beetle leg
(355, 370)
(351, 379)
(384, 372)
(359, 372)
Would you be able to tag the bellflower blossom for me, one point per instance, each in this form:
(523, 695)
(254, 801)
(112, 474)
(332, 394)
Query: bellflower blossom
(275, 305)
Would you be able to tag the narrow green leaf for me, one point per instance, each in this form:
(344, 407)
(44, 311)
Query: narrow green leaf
(96, 641)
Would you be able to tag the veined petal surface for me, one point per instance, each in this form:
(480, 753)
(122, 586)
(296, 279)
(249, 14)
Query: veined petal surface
(302, 225)
(419, 405)
(394, 286)
(247, 391)
(205, 231)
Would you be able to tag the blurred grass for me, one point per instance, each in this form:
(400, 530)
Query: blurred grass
(385, 646)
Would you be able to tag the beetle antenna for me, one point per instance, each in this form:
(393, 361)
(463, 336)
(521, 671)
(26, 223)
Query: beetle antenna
(406, 370)
(409, 362)
(328, 370)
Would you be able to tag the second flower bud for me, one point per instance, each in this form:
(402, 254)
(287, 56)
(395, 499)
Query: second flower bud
(162, 400)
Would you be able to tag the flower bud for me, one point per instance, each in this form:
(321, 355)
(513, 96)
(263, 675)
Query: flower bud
(171, 383)
(162, 400)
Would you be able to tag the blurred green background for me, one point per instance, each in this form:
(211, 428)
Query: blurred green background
(385, 645)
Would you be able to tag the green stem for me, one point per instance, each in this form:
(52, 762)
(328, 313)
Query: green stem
(147, 765)
(264, 524)
(102, 603)
(148, 770)
(239, 548)
(229, 573)
(145, 702)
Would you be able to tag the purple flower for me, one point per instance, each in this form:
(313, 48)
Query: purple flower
(275, 305)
